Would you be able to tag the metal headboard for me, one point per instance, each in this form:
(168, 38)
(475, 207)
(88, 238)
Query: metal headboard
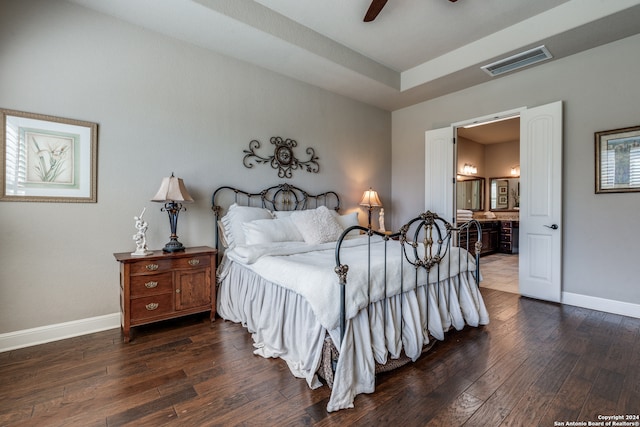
(281, 197)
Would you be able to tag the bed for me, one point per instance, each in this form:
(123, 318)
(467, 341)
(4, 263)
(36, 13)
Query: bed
(335, 300)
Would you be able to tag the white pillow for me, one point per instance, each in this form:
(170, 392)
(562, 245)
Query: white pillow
(347, 221)
(235, 217)
(282, 214)
(263, 231)
(317, 225)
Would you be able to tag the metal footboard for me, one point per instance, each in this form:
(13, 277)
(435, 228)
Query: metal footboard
(425, 242)
(469, 237)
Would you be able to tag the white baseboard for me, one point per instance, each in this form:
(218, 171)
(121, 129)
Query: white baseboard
(59, 331)
(44, 334)
(601, 304)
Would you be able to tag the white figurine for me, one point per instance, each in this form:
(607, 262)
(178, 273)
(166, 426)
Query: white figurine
(381, 220)
(140, 237)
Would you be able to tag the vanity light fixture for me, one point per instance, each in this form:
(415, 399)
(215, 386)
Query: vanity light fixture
(173, 193)
(469, 169)
(515, 170)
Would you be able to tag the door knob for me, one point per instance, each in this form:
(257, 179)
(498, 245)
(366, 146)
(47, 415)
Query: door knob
(552, 226)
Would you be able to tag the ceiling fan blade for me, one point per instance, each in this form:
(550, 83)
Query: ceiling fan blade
(374, 10)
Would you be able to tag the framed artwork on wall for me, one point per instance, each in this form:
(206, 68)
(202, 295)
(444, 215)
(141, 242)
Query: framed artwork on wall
(47, 159)
(618, 160)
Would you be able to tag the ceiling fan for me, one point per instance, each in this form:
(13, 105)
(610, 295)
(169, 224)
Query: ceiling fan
(375, 8)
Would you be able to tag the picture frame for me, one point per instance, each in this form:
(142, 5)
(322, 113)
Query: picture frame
(617, 165)
(47, 158)
(502, 190)
(502, 200)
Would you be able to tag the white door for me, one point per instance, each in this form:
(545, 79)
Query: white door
(541, 202)
(439, 185)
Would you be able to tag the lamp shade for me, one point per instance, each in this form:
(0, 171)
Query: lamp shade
(172, 189)
(370, 199)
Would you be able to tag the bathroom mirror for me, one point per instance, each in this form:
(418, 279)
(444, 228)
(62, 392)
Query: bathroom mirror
(505, 193)
(470, 193)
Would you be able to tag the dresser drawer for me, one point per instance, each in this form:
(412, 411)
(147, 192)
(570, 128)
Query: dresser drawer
(151, 266)
(193, 262)
(153, 306)
(505, 238)
(505, 247)
(152, 284)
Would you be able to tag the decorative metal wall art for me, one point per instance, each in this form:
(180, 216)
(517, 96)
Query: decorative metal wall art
(283, 158)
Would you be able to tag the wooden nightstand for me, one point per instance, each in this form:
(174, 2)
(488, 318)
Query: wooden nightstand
(166, 285)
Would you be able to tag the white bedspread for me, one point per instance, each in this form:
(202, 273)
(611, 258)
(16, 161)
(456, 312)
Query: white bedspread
(290, 314)
(310, 272)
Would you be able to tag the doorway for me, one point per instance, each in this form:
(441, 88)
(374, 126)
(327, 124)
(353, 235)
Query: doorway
(540, 231)
(490, 152)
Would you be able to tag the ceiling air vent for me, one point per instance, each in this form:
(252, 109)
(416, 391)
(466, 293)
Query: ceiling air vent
(517, 61)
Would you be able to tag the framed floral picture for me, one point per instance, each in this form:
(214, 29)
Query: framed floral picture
(618, 160)
(47, 159)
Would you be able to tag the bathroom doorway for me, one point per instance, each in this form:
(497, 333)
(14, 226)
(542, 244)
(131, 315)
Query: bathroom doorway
(540, 184)
(490, 152)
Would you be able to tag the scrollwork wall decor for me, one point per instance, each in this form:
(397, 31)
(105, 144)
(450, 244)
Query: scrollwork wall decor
(282, 159)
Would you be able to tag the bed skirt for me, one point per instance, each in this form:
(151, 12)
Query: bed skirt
(283, 325)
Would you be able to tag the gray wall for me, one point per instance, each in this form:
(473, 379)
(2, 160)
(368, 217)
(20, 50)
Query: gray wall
(600, 91)
(162, 106)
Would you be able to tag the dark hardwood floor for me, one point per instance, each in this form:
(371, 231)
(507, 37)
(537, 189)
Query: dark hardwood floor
(535, 364)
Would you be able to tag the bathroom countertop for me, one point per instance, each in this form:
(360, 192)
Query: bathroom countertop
(496, 219)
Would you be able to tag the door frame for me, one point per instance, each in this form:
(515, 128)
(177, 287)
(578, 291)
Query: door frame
(525, 186)
(483, 120)
(479, 121)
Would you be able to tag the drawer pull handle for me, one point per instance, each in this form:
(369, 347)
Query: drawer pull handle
(152, 267)
(151, 285)
(151, 306)
(194, 261)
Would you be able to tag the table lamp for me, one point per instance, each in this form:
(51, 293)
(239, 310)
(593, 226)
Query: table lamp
(172, 193)
(370, 200)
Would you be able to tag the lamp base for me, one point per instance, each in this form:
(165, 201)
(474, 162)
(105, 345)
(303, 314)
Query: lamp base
(173, 246)
(173, 209)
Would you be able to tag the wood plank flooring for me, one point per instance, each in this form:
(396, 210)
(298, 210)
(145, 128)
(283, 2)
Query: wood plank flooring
(536, 363)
